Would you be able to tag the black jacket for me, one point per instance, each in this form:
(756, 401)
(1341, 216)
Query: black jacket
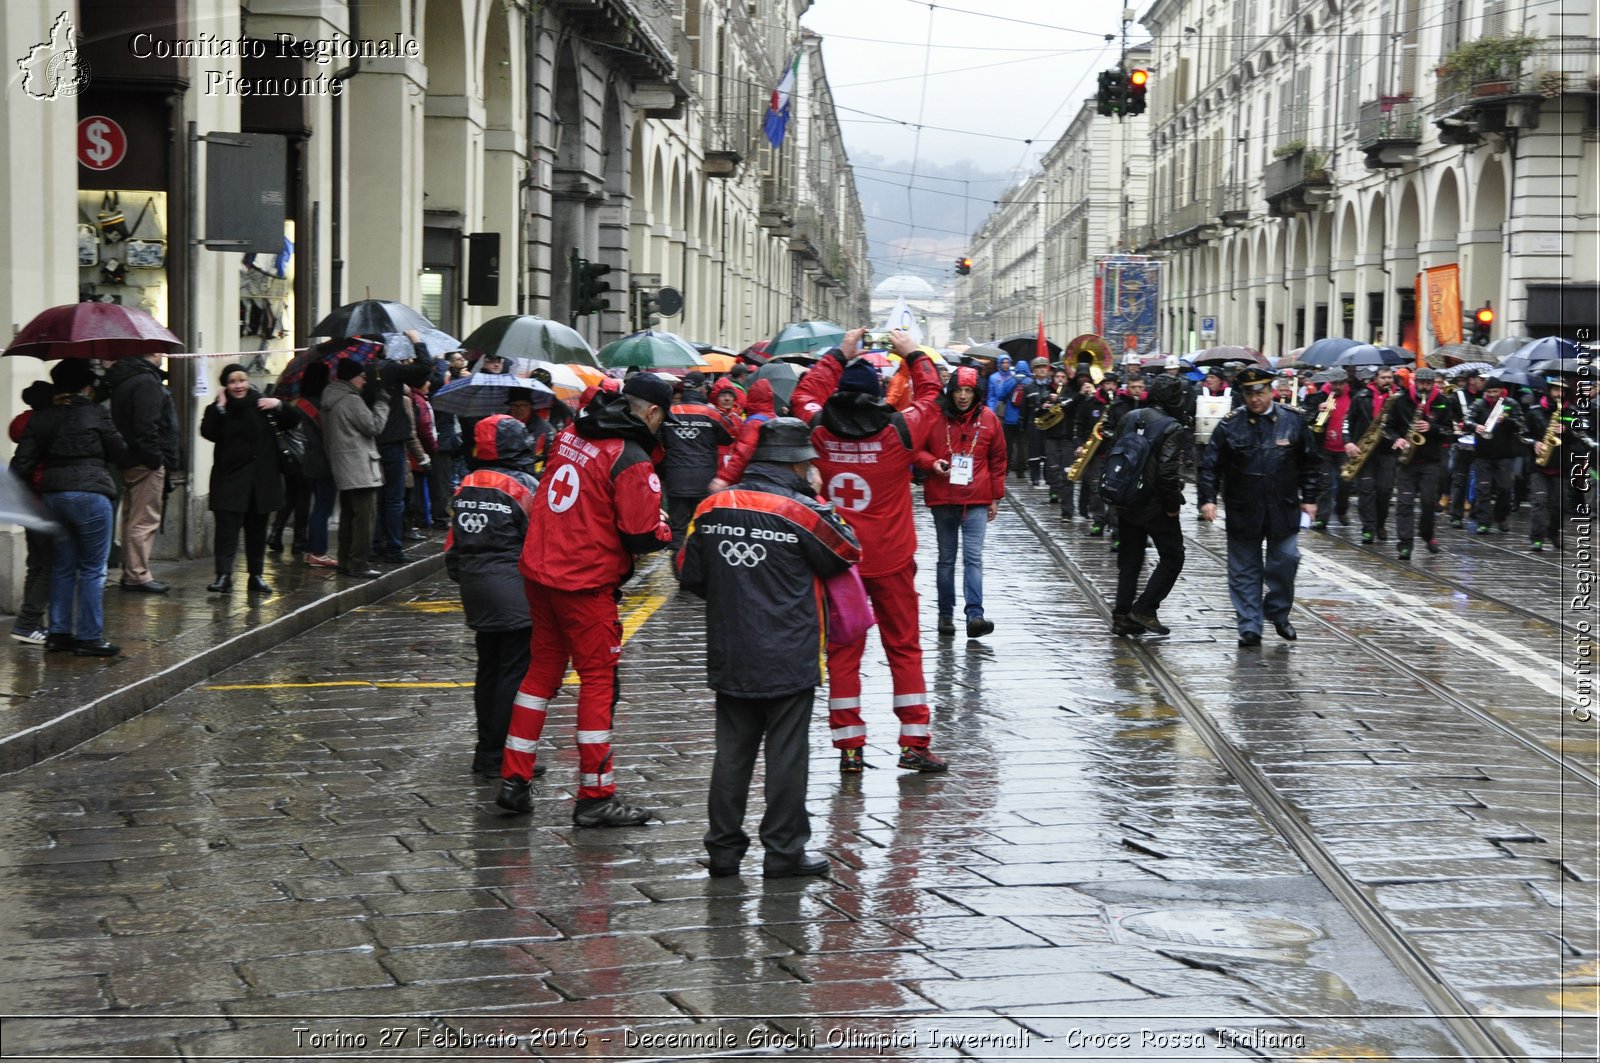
(484, 546)
(755, 554)
(1359, 419)
(144, 413)
(1166, 462)
(691, 447)
(1506, 440)
(245, 474)
(1119, 408)
(1400, 412)
(1090, 412)
(1264, 468)
(76, 443)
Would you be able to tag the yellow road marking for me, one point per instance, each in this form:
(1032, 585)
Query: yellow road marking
(632, 621)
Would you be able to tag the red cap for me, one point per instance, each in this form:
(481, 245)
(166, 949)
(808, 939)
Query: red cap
(966, 377)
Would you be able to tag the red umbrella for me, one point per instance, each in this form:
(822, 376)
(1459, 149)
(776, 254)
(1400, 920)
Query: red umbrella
(105, 331)
(756, 353)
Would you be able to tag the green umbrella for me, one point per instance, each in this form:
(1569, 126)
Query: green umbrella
(805, 337)
(529, 336)
(651, 350)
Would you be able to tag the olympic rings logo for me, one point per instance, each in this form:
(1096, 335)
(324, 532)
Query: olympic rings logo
(748, 555)
(687, 431)
(472, 523)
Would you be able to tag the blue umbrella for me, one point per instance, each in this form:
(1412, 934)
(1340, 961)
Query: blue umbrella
(481, 394)
(1544, 349)
(1325, 352)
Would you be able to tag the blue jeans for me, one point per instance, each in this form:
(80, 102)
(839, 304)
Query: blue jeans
(323, 496)
(79, 576)
(386, 530)
(969, 523)
(1247, 575)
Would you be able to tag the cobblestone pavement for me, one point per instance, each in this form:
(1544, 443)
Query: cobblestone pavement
(292, 860)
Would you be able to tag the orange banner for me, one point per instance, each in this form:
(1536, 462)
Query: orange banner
(1443, 289)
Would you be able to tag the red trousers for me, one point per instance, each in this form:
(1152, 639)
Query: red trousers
(894, 601)
(581, 627)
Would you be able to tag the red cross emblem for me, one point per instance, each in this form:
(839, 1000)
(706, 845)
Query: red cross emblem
(849, 491)
(563, 489)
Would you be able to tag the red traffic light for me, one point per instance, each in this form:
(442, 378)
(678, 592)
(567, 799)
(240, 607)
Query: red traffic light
(1137, 78)
(1484, 316)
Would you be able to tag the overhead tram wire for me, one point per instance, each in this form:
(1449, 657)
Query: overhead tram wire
(916, 142)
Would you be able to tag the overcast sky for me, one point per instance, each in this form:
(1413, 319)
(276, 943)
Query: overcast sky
(991, 83)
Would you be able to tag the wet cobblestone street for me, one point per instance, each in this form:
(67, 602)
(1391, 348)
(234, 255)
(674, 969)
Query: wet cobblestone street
(292, 859)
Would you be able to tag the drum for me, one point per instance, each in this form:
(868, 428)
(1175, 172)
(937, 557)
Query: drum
(1209, 410)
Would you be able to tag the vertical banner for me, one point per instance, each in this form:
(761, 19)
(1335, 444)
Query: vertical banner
(1127, 292)
(1442, 288)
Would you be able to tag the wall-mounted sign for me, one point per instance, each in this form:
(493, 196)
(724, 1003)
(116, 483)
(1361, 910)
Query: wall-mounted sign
(101, 142)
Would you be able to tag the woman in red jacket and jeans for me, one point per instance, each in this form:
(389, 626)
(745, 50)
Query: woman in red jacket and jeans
(966, 466)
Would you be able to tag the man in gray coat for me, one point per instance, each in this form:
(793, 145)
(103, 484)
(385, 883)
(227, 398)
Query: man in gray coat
(350, 434)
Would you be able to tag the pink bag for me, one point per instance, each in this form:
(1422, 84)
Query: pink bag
(849, 608)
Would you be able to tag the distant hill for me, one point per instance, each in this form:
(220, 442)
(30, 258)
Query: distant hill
(949, 202)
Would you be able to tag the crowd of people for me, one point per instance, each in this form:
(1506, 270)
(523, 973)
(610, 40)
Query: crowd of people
(790, 514)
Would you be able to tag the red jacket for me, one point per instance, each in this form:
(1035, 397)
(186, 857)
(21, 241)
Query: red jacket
(865, 449)
(979, 434)
(758, 403)
(598, 504)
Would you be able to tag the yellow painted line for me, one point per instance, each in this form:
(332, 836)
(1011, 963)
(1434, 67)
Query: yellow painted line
(632, 621)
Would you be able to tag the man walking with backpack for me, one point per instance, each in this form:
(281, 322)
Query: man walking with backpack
(1143, 483)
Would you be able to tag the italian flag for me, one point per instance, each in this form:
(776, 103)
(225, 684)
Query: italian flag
(777, 121)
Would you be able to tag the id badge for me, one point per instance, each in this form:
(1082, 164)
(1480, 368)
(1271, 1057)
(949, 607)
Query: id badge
(960, 470)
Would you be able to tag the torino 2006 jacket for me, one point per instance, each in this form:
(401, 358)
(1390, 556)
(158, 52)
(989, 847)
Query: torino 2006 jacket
(490, 523)
(599, 502)
(765, 627)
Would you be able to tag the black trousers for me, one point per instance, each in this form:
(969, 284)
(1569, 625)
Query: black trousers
(1461, 461)
(1495, 477)
(358, 510)
(1167, 534)
(742, 723)
(1335, 497)
(502, 662)
(35, 612)
(1416, 487)
(679, 512)
(1057, 460)
(1374, 489)
(1547, 492)
(297, 492)
(226, 546)
(1016, 445)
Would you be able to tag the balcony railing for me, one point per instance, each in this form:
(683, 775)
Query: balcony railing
(1389, 120)
(1186, 217)
(1298, 182)
(1232, 203)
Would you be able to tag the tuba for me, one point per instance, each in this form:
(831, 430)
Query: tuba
(1075, 473)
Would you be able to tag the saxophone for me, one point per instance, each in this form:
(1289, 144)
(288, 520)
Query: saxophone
(1416, 439)
(1076, 472)
(1054, 410)
(1369, 443)
(1549, 440)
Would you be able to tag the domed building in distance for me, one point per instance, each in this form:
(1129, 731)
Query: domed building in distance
(929, 306)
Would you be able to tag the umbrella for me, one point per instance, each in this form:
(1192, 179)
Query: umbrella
(1451, 353)
(1325, 352)
(1365, 354)
(805, 337)
(986, 351)
(783, 376)
(288, 385)
(756, 353)
(717, 362)
(1468, 367)
(1328, 376)
(18, 505)
(1540, 350)
(561, 374)
(1225, 354)
(1514, 378)
(1507, 345)
(93, 330)
(1026, 345)
(1561, 367)
(481, 394)
(390, 320)
(530, 336)
(648, 349)
(1292, 358)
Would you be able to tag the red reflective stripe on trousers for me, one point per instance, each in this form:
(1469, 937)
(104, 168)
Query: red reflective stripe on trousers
(581, 627)
(894, 601)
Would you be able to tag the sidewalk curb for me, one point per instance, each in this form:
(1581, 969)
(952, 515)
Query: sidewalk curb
(98, 715)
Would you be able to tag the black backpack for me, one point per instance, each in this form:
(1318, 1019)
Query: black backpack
(1126, 482)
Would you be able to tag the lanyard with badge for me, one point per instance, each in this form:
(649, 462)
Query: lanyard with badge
(961, 464)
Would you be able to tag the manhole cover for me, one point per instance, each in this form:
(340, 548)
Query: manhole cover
(1221, 929)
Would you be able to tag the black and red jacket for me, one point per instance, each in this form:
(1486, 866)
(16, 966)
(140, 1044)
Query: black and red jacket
(599, 492)
(691, 446)
(489, 524)
(1401, 411)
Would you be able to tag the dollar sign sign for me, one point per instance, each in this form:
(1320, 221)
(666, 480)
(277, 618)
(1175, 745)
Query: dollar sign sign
(101, 151)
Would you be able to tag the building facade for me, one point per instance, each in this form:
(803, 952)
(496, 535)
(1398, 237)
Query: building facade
(388, 132)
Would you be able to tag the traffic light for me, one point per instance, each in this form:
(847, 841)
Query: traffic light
(1481, 321)
(1112, 97)
(1138, 81)
(588, 288)
(963, 266)
(647, 312)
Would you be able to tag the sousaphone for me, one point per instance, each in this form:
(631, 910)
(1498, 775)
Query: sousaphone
(1093, 349)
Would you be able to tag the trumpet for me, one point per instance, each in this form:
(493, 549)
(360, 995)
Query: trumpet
(1075, 473)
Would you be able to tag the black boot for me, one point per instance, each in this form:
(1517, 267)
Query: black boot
(275, 539)
(259, 585)
(222, 584)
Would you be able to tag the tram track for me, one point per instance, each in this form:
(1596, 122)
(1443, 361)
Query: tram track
(1475, 1033)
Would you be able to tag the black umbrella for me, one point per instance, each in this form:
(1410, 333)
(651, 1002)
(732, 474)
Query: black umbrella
(1561, 367)
(1325, 352)
(1365, 354)
(1513, 378)
(370, 317)
(782, 376)
(988, 352)
(1026, 345)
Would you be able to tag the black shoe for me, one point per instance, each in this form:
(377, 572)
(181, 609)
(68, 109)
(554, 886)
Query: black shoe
(1054, 497)
(222, 584)
(275, 541)
(1537, 546)
(1284, 629)
(54, 643)
(607, 812)
(1250, 638)
(810, 866)
(1455, 522)
(516, 795)
(1383, 533)
(1433, 546)
(1096, 531)
(720, 870)
(1319, 525)
(1123, 624)
(947, 625)
(258, 585)
(1149, 621)
(1404, 550)
(91, 648)
(153, 586)
(487, 765)
(1366, 537)
(977, 627)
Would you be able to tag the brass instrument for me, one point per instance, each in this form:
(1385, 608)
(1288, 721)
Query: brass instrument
(1416, 439)
(1549, 440)
(1076, 472)
(1369, 443)
(1054, 411)
(1321, 423)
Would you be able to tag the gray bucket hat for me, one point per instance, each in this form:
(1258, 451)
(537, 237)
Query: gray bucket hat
(786, 440)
